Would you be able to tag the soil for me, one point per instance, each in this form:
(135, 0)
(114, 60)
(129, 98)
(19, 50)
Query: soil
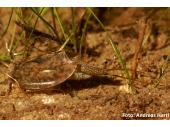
(98, 97)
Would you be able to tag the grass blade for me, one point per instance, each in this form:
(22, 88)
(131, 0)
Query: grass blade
(7, 26)
(60, 23)
(117, 52)
(84, 33)
(45, 22)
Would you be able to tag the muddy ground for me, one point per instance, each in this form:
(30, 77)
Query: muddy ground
(98, 98)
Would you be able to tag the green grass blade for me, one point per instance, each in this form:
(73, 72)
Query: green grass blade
(65, 43)
(7, 26)
(10, 50)
(84, 33)
(27, 45)
(5, 58)
(60, 23)
(128, 87)
(114, 46)
(74, 27)
(36, 13)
